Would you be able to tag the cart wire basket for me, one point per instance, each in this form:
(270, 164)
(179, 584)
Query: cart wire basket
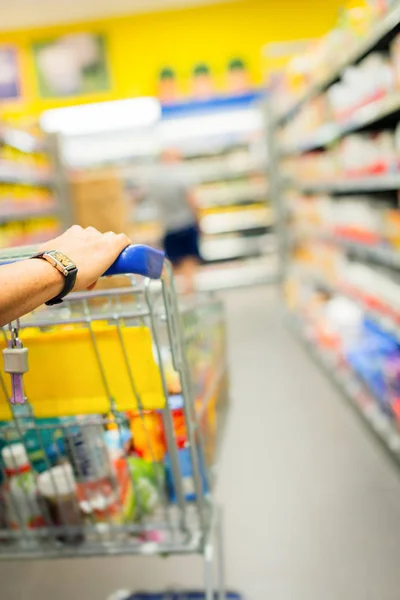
(111, 409)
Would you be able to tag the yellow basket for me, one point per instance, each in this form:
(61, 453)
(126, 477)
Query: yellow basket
(64, 377)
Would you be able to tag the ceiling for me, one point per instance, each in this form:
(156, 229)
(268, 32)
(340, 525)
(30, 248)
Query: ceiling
(20, 14)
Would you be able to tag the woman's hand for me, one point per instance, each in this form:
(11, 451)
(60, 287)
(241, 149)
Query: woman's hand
(92, 252)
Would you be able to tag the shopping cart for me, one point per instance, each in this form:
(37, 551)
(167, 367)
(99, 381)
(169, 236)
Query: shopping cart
(113, 450)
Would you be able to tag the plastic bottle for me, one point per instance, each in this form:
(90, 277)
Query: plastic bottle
(20, 491)
(58, 490)
(98, 489)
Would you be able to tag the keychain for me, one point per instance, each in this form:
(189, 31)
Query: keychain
(16, 364)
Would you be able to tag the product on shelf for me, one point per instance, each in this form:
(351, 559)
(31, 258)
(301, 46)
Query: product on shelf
(223, 193)
(341, 330)
(357, 155)
(28, 203)
(325, 56)
(358, 218)
(336, 131)
(373, 82)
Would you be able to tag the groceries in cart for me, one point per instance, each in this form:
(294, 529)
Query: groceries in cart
(110, 444)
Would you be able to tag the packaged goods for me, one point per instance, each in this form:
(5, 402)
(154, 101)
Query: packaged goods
(43, 438)
(102, 484)
(20, 490)
(178, 416)
(110, 500)
(86, 449)
(186, 469)
(148, 435)
(58, 491)
(148, 483)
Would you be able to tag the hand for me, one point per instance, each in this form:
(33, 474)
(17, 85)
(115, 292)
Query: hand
(92, 252)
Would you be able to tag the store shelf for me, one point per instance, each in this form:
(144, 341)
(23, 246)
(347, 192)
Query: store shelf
(381, 254)
(230, 175)
(21, 141)
(238, 220)
(368, 115)
(8, 217)
(235, 203)
(229, 247)
(214, 150)
(325, 135)
(351, 185)
(375, 253)
(384, 30)
(354, 390)
(248, 272)
(25, 179)
(387, 320)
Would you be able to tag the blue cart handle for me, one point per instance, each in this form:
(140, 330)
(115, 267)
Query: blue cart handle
(138, 260)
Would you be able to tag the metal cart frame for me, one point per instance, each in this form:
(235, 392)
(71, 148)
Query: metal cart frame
(187, 525)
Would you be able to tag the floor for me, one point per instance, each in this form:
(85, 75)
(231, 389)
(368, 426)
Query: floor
(312, 504)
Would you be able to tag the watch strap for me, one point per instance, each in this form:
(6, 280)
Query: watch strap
(69, 279)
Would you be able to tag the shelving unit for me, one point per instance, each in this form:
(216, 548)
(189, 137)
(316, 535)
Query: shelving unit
(351, 388)
(31, 189)
(374, 113)
(353, 185)
(223, 145)
(379, 37)
(326, 252)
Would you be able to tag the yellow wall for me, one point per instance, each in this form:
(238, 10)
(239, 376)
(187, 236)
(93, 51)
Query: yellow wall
(140, 44)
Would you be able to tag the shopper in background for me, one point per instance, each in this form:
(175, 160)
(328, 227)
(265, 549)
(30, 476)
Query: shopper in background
(172, 192)
(27, 284)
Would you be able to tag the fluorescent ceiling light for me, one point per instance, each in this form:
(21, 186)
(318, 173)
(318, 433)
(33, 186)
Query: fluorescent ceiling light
(100, 117)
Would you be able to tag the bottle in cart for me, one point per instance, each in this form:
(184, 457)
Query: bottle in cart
(20, 493)
(98, 485)
(58, 491)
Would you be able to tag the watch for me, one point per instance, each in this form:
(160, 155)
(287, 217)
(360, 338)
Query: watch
(64, 265)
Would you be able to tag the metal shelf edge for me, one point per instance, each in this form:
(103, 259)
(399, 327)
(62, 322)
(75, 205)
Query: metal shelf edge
(331, 132)
(362, 184)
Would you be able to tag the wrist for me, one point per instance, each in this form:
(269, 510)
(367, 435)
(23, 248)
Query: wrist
(51, 279)
(64, 265)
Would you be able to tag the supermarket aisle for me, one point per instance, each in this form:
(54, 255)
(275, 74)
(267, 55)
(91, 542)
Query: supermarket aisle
(312, 505)
(321, 516)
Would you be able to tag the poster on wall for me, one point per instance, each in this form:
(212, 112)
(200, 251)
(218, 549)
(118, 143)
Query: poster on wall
(71, 65)
(9, 74)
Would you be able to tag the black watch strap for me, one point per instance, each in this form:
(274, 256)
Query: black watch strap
(66, 267)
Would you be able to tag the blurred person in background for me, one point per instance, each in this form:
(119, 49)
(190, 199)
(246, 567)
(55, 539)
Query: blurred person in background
(172, 191)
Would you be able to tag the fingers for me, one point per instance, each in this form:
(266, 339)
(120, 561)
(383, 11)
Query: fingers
(119, 241)
(93, 232)
(74, 228)
(123, 240)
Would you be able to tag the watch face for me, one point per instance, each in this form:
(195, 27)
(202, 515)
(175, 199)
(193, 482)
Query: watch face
(64, 260)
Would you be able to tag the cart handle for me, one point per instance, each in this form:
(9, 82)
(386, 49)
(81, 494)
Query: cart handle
(138, 260)
(134, 260)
